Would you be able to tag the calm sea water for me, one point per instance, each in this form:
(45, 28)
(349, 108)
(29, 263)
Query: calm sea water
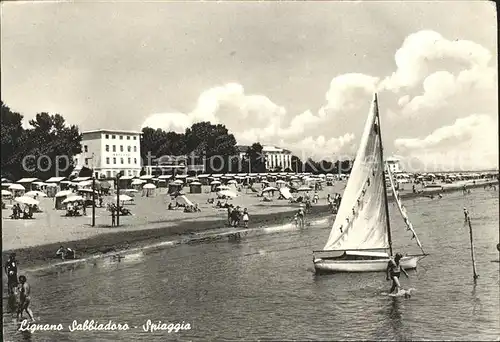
(264, 287)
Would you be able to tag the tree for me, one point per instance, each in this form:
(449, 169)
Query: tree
(255, 158)
(12, 135)
(45, 149)
(51, 146)
(215, 145)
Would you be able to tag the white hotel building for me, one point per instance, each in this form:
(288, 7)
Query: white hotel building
(275, 157)
(109, 152)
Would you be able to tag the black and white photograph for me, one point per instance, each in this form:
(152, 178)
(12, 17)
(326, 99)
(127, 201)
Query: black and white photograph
(250, 171)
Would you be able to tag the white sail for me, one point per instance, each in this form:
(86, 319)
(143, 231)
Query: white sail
(361, 221)
(402, 210)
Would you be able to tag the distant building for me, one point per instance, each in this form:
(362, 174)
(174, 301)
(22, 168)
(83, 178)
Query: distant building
(393, 164)
(275, 157)
(108, 152)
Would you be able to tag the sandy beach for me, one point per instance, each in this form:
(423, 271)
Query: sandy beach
(35, 241)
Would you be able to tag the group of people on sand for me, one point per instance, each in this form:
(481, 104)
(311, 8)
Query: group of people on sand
(235, 215)
(18, 289)
(18, 213)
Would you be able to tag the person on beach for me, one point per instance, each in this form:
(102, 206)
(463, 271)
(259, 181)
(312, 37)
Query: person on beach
(24, 299)
(394, 270)
(245, 217)
(11, 271)
(229, 214)
(113, 218)
(65, 253)
(299, 217)
(466, 214)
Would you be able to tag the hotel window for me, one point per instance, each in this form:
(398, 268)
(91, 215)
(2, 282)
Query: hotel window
(113, 136)
(108, 174)
(128, 137)
(135, 160)
(135, 148)
(128, 148)
(121, 160)
(114, 148)
(114, 160)
(107, 136)
(85, 148)
(107, 160)
(121, 148)
(121, 137)
(129, 160)
(107, 148)
(135, 138)
(86, 161)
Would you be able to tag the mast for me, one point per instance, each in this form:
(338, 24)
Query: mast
(383, 176)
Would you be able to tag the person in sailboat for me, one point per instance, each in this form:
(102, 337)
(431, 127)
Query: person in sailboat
(394, 269)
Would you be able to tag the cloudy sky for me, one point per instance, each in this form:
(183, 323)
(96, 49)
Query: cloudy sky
(296, 75)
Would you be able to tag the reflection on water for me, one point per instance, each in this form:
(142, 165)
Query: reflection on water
(265, 288)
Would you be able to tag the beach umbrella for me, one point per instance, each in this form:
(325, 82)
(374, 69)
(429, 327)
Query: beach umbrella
(304, 188)
(137, 182)
(280, 181)
(195, 183)
(178, 181)
(269, 188)
(73, 199)
(223, 187)
(149, 186)
(35, 193)
(214, 182)
(64, 193)
(6, 193)
(51, 185)
(226, 193)
(130, 190)
(16, 187)
(26, 200)
(232, 181)
(264, 181)
(124, 198)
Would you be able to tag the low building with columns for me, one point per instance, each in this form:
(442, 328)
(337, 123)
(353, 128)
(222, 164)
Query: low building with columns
(276, 157)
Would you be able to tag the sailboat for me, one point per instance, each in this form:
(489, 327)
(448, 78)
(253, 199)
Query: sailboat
(360, 239)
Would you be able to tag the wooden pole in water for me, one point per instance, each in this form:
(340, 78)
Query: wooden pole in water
(475, 275)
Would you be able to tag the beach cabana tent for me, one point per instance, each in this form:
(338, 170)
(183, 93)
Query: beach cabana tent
(26, 200)
(60, 197)
(148, 189)
(195, 187)
(27, 182)
(17, 190)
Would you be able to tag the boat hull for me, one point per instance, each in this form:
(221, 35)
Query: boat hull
(368, 265)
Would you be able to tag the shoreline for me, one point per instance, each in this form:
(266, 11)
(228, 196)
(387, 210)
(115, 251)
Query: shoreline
(41, 257)
(110, 244)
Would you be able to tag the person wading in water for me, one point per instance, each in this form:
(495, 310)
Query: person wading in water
(24, 299)
(11, 271)
(394, 269)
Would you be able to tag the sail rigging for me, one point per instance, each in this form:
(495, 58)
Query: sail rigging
(402, 210)
(361, 221)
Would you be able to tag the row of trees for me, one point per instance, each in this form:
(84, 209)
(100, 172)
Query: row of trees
(48, 146)
(215, 148)
(42, 150)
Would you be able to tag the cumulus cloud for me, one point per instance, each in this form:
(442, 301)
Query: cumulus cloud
(321, 148)
(470, 142)
(345, 89)
(412, 59)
